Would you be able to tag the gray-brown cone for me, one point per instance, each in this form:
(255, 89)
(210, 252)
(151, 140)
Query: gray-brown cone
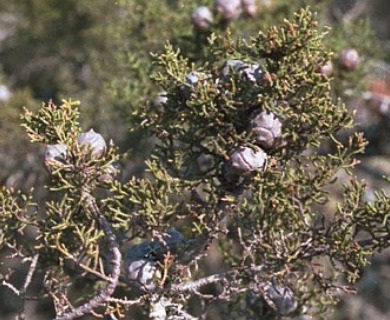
(54, 153)
(266, 129)
(228, 9)
(202, 17)
(245, 159)
(94, 141)
(348, 59)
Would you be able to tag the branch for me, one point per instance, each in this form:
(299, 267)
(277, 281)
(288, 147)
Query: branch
(116, 258)
(192, 286)
(126, 302)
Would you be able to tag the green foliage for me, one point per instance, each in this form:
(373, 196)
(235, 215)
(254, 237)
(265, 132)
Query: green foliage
(270, 224)
(52, 124)
(18, 211)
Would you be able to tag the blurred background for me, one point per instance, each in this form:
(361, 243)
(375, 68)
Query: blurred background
(98, 52)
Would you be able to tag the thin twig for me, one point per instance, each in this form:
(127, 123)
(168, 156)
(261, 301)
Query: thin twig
(126, 302)
(27, 281)
(10, 286)
(220, 277)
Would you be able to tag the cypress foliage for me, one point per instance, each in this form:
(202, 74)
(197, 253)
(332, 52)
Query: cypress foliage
(245, 135)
